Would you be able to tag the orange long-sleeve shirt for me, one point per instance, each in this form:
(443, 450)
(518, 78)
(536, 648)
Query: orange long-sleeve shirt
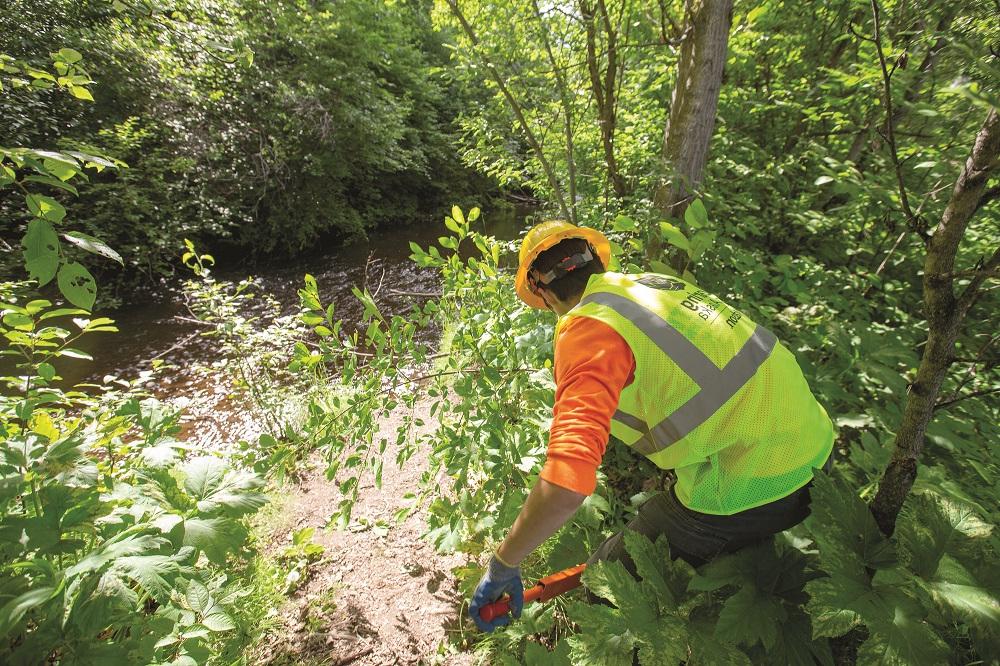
(593, 363)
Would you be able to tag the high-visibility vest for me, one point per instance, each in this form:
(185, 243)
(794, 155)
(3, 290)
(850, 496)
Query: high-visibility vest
(715, 397)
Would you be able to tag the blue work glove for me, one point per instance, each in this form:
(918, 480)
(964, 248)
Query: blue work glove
(498, 579)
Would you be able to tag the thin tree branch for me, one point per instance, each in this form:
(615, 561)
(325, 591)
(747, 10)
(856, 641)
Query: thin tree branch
(967, 396)
(890, 133)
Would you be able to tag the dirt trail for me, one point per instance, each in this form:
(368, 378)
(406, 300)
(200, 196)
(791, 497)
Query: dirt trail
(376, 597)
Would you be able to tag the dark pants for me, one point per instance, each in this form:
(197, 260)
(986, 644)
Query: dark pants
(698, 537)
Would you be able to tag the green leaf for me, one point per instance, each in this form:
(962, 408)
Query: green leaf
(216, 537)
(931, 526)
(52, 182)
(695, 215)
(157, 574)
(452, 225)
(21, 322)
(41, 251)
(77, 285)
(218, 620)
(902, 639)
(217, 488)
(604, 638)
(830, 604)
(16, 608)
(624, 223)
(456, 213)
(701, 241)
(668, 578)
(45, 207)
(92, 245)
(674, 236)
(68, 56)
(750, 616)
(840, 522)
(80, 93)
(61, 169)
(823, 180)
(198, 597)
(708, 650)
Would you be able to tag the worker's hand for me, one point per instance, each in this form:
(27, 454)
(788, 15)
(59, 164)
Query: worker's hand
(498, 579)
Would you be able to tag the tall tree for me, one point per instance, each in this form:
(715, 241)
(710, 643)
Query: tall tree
(516, 109)
(604, 85)
(696, 96)
(946, 307)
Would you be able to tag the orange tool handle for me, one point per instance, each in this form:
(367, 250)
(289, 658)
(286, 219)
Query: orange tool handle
(546, 588)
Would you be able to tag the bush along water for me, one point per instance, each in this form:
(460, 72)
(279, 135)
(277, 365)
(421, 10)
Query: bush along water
(118, 541)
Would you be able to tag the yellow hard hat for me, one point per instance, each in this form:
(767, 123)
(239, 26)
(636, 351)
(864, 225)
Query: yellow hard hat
(543, 236)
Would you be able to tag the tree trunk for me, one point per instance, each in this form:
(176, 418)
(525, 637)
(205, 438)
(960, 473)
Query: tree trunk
(605, 88)
(945, 311)
(515, 107)
(694, 103)
(567, 109)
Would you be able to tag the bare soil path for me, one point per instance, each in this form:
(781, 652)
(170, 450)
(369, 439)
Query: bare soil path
(376, 597)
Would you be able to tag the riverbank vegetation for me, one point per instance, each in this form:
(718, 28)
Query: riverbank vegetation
(832, 170)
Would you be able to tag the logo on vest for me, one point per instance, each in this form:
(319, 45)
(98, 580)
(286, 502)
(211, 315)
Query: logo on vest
(660, 282)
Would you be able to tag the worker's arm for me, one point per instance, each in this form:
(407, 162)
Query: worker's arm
(547, 508)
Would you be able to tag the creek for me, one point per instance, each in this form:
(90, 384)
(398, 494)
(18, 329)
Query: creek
(216, 415)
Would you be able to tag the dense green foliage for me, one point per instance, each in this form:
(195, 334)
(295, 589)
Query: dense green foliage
(114, 550)
(841, 132)
(338, 119)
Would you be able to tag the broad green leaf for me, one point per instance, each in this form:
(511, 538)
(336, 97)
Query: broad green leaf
(452, 225)
(92, 245)
(931, 526)
(674, 236)
(68, 56)
(216, 537)
(19, 321)
(77, 285)
(845, 531)
(794, 644)
(604, 638)
(708, 650)
(624, 223)
(199, 599)
(41, 251)
(218, 620)
(611, 581)
(456, 213)
(61, 169)
(51, 181)
(830, 605)
(970, 603)
(750, 616)
(157, 574)
(216, 487)
(902, 639)
(15, 609)
(668, 578)
(695, 215)
(45, 207)
(80, 93)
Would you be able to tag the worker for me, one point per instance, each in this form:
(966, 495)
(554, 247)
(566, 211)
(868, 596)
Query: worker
(682, 378)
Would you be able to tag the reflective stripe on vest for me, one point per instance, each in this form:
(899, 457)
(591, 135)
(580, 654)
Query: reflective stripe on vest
(716, 386)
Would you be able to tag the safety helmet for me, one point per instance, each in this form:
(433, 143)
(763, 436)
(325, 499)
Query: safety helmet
(543, 236)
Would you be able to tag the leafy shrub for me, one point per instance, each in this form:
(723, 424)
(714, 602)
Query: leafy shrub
(112, 547)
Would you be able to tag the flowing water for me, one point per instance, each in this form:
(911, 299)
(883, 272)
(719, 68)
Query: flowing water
(215, 415)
